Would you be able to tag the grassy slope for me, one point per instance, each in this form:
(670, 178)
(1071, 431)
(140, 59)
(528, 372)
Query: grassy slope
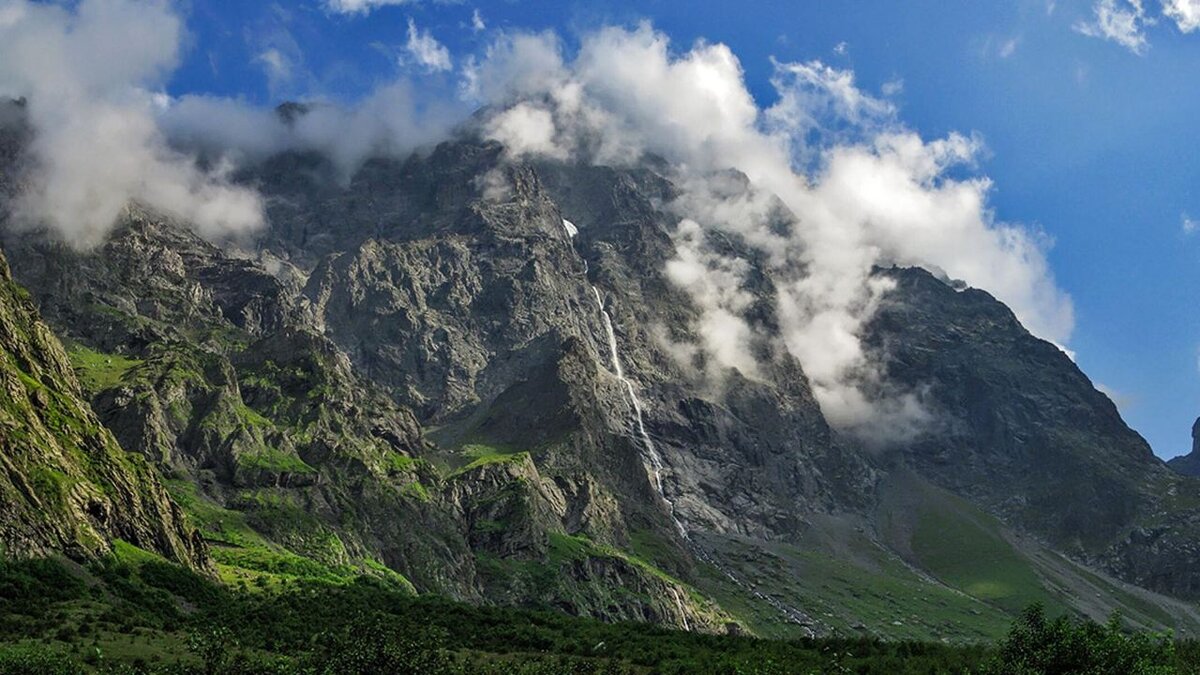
(970, 551)
(966, 550)
(873, 593)
(248, 561)
(98, 371)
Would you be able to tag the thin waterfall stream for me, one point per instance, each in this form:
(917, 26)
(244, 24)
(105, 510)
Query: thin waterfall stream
(654, 463)
(653, 459)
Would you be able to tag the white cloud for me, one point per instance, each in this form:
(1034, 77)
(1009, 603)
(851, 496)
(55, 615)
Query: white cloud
(90, 74)
(1185, 14)
(841, 48)
(526, 129)
(1188, 224)
(277, 66)
(1008, 47)
(477, 23)
(864, 191)
(393, 120)
(715, 284)
(426, 51)
(1121, 21)
(516, 67)
(360, 7)
(892, 87)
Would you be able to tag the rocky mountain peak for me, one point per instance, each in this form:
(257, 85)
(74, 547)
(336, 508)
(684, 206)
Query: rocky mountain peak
(418, 368)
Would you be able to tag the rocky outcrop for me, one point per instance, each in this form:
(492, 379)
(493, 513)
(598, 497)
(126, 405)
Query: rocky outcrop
(65, 484)
(517, 522)
(1189, 464)
(228, 386)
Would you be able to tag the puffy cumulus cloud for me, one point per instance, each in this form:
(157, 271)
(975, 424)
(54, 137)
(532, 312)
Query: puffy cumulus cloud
(894, 192)
(828, 186)
(623, 96)
(820, 106)
(88, 73)
(813, 93)
(1120, 21)
(516, 67)
(426, 51)
(526, 129)
(1185, 14)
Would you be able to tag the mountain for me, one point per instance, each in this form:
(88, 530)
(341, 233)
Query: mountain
(67, 487)
(1189, 464)
(452, 372)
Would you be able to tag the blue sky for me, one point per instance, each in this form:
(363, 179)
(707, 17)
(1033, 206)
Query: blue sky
(1096, 145)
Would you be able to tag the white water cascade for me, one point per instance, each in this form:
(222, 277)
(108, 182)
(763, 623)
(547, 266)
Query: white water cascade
(654, 465)
(652, 458)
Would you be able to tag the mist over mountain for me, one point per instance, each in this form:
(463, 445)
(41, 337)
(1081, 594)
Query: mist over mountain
(591, 331)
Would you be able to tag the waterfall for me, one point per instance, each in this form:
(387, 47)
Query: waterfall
(652, 458)
(679, 605)
(654, 463)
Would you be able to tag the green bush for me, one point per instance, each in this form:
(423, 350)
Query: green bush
(31, 660)
(1039, 646)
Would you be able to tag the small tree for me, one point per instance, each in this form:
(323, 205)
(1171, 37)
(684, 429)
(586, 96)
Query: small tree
(214, 645)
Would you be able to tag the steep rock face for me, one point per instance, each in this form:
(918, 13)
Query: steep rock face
(745, 453)
(226, 382)
(459, 300)
(66, 486)
(517, 521)
(1017, 419)
(485, 325)
(455, 298)
(1020, 431)
(153, 281)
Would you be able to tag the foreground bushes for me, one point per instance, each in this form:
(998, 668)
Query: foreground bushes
(147, 619)
(1037, 645)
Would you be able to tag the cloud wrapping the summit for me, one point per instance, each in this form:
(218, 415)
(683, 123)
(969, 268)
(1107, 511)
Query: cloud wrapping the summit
(391, 121)
(828, 183)
(89, 75)
(862, 191)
